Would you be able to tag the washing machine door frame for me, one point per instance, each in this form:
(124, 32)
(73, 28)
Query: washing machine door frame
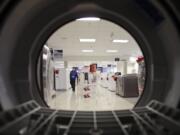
(44, 17)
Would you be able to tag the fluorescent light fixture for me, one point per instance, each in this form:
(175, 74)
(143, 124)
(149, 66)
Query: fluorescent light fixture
(89, 19)
(89, 40)
(111, 51)
(132, 59)
(120, 41)
(87, 51)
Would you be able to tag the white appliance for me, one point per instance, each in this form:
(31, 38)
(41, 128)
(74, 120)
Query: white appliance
(48, 75)
(62, 81)
(111, 84)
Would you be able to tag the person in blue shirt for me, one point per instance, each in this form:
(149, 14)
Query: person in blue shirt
(73, 77)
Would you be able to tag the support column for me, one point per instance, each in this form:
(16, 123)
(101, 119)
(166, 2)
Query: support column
(125, 67)
(122, 67)
(65, 64)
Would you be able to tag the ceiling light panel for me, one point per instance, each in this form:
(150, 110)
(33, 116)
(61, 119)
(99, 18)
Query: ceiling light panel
(87, 51)
(87, 40)
(120, 41)
(87, 19)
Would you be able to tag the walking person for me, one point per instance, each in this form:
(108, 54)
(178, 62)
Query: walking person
(73, 77)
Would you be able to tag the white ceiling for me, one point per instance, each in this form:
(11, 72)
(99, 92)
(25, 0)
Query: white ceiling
(67, 39)
(87, 63)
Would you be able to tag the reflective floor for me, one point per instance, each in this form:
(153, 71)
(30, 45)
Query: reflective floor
(99, 99)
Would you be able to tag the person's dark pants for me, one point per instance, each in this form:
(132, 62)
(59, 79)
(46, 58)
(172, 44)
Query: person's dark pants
(73, 84)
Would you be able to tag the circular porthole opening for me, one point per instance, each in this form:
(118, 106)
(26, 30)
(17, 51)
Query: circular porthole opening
(91, 64)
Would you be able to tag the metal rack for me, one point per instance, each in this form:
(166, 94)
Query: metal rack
(30, 119)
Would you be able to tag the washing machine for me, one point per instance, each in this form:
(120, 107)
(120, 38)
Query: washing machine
(26, 25)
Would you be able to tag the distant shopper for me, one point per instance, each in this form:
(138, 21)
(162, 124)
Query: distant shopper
(73, 77)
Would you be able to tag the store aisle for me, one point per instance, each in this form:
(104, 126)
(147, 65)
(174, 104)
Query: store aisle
(100, 99)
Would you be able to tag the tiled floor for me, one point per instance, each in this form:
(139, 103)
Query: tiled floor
(100, 99)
